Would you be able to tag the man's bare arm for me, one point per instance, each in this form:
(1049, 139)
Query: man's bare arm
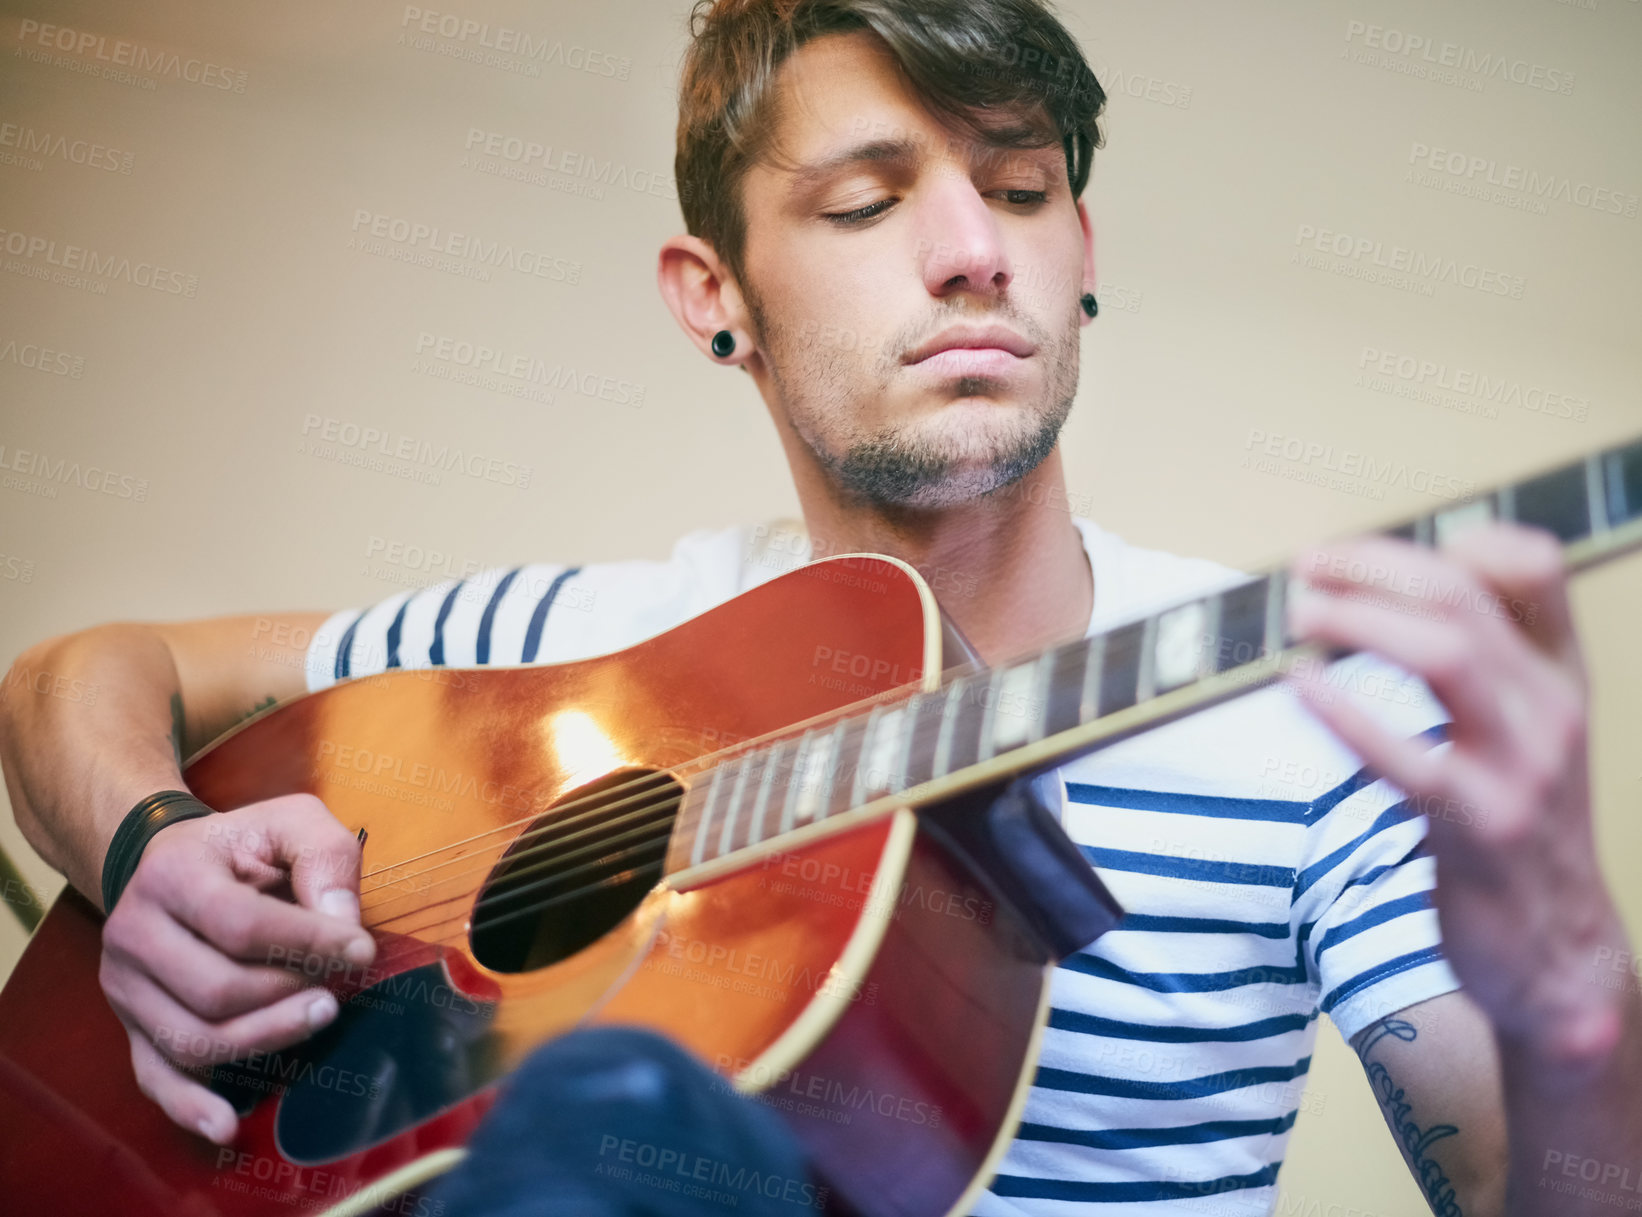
(94, 721)
(1527, 918)
(1435, 1075)
(91, 722)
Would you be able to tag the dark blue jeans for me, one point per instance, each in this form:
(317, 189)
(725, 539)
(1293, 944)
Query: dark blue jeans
(618, 1122)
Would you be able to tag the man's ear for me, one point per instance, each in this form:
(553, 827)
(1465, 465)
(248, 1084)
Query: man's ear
(1090, 284)
(703, 296)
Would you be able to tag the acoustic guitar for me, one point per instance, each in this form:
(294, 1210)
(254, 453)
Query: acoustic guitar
(796, 834)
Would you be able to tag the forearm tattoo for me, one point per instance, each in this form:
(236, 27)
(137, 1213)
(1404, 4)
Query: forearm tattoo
(1416, 1141)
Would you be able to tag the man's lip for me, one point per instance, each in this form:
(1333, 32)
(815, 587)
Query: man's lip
(995, 337)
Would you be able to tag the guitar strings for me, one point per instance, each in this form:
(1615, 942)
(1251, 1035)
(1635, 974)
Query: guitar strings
(552, 828)
(511, 877)
(752, 744)
(748, 746)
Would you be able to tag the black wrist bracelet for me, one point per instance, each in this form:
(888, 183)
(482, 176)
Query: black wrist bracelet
(157, 811)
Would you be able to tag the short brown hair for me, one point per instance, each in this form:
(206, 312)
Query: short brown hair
(967, 58)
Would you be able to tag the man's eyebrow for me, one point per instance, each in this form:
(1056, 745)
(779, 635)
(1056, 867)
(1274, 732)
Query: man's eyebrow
(903, 149)
(1005, 142)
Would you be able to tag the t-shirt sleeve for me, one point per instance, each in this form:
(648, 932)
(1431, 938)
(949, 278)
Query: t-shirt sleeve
(1367, 927)
(539, 613)
(496, 616)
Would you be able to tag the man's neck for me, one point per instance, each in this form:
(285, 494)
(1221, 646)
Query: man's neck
(1009, 569)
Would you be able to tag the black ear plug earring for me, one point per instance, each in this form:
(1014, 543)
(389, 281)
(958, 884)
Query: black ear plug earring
(724, 344)
(1090, 304)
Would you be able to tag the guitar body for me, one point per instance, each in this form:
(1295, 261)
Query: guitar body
(870, 985)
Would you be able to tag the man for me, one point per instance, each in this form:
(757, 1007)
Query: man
(886, 235)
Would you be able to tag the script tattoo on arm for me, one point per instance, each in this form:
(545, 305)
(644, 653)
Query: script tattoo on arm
(1416, 1141)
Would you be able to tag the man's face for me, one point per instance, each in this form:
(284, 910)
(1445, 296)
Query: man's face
(879, 232)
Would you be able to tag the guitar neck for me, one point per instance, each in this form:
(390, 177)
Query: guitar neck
(910, 748)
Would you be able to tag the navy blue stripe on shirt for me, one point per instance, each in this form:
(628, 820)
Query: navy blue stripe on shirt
(1180, 1088)
(1390, 967)
(1208, 870)
(1420, 850)
(1392, 816)
(533, 635)
(1185, 982)
(1175, 803)
(1157, 923)
(1416, 902)
(436, 652)
(1067, 1189)
(1111, 1028)
(1147, 1138)
(396, 631)
(1364, 778)
(344, 650)
(482, 647)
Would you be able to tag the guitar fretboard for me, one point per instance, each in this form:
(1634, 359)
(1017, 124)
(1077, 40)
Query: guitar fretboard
(1011, 716)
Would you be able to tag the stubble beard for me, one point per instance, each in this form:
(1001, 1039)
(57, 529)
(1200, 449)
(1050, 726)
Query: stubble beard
(918, 465)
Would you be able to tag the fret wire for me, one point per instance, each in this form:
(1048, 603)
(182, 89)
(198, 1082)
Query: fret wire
(1207, 644)
(858, 789)
(761, 803)
(903, 761)
(1600, 521)
(846, 734)
(989, 714)
(949, 718)
(1277, 611)
(1038, 727)
(1617, 508)
(800, 766)
(1089, 704)
(835, 756)
(736, 792)
(699, 852)
(1146, 665)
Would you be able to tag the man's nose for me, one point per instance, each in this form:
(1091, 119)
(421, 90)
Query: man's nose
(960, 247)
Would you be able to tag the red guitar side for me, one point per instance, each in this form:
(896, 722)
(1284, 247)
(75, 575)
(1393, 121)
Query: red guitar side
(879, 983)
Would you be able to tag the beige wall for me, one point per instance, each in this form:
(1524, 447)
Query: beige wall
(1238, 134)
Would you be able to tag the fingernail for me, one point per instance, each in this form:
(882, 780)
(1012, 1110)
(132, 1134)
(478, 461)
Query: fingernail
(360, 951)
(340, 902)
(209, 1130)
(321, 1010)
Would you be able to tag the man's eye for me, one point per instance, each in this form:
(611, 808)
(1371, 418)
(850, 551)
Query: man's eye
(1027, 196)
(860, 213)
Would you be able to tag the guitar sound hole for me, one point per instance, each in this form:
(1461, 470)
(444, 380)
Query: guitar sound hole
(574, 874)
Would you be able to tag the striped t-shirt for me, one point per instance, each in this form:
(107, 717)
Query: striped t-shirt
(1264, 876)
